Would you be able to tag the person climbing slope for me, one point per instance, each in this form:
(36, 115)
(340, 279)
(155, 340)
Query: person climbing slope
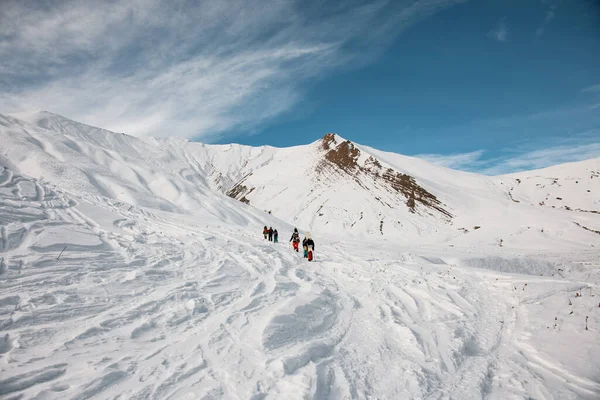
(275, 236)
(305, 247)
(265, 232)
(310, 245)
(270, 234)
(295, 239)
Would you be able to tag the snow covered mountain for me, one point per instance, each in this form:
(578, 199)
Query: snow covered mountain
(339, 187)
(128, 271)
(165, 174)
(393, 197)
(311, 185)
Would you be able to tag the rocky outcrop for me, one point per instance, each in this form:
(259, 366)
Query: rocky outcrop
(345, 157)
(239, 191)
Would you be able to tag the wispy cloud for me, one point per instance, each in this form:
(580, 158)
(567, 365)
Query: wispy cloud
(466, 161)
(591, 89)
(184, 68)
(499, 32)
(527, 141)
(543, 158)
(522, 158)
(548, 18)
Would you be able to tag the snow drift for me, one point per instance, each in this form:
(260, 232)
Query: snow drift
(127, 272)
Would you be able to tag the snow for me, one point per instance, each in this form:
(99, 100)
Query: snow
(292, 187)
(573, 186)
(165, 287)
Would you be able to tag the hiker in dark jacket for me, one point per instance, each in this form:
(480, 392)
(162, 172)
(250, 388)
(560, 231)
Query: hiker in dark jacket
(310, 244)
(270, 234)
(275, 236)
(305, 247)
(295, 239)
(310, 247)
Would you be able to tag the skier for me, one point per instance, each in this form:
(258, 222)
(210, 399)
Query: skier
(265, 232)
(305, 247)
(275, 236)
(295, 239)
(270, 234)
(310, 245)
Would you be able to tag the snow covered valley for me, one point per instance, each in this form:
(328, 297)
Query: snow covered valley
(106, 297)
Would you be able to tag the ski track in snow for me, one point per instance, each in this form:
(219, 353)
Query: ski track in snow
(145, 305)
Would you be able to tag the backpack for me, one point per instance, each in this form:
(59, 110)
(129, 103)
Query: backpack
(310, 255)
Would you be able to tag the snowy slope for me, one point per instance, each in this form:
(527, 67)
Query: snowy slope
(101, 300)
(166, 174)
(311, 185)
(572, 186)
(393, 197)
(126, 272)
(337, 187)
(221, 165)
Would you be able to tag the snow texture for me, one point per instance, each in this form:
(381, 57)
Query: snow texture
(126, 272)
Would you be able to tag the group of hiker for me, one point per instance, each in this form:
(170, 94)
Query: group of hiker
(271, 234)
(308, 244)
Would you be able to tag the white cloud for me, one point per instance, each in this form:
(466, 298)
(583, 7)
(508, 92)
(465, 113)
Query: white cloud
(500, 31)
(466, 161)
(511, 160)
(544, 158)
(184, 68)
(548, 18)
(592, 89)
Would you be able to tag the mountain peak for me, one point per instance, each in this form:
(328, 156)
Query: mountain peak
(344, 155)
(59, 124)
(335, 168)
(369, 173)
(35, 114)
(328, 140)
(45, 119)
(331, 140)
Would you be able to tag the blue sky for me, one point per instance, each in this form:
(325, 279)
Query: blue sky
(491, 86)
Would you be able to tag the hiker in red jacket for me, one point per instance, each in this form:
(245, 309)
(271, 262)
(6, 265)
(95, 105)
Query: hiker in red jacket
(265, 232)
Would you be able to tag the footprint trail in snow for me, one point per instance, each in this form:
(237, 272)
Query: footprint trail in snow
(150, 305)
